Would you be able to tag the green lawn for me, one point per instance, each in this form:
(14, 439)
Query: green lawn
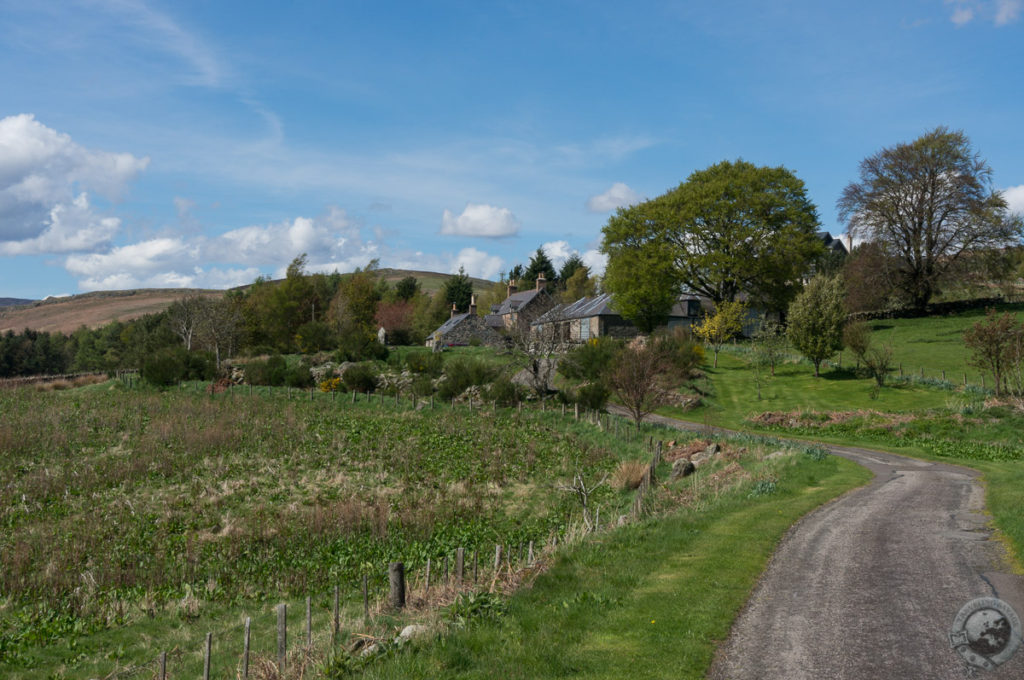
(935, 343)
(733, 396)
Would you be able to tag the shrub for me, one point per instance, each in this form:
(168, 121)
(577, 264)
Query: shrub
(592, 396)
(298, 376)
(683, 353)
(422, 385)
(332, 385)
(505, 392)
(591, 360)
(270, 372)
(430, 363)
(629, 474)
(165, 367)
(464, 372)
(361, 378)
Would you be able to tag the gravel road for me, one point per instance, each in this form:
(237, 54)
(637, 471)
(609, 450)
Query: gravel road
(868, 585)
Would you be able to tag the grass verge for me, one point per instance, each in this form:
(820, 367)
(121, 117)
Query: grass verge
(649, 600)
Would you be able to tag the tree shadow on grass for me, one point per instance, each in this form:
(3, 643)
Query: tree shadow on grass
(841, 374)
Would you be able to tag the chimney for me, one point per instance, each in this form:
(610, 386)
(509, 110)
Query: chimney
(512, 287)
(541, 281)
(454, 311)
(472, 305)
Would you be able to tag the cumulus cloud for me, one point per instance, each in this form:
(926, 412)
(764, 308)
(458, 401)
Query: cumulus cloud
(479, 219)
(558, 252)
(596, 261)
(477, 263)
(1000, 12)
(1015, 198)
(45, 180)
(617, 196)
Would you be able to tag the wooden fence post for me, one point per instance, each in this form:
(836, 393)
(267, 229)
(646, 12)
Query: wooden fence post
(446, 570)
(497, 558)
(396, 585)
(309, 621)
(245, 649)
(337, 625)
(576, 411)
(427, 587)
(460, 564)
(206, 656)
(530, 555)
(476, 565)
(965, 379)
(366, 599)
(163, 665)
(943, 375)
(282, 637)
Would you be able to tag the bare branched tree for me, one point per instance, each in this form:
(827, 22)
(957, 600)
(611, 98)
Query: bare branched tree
(582, 491)
(538, 349)
(185, 316)
(638, 379)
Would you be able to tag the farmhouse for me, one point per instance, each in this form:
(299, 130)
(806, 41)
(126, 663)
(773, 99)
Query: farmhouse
(594, 317)
(520, 307)
(463, 329)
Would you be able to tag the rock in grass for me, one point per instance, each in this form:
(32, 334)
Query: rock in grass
(713, 449)
(412, 632)
(682, 468)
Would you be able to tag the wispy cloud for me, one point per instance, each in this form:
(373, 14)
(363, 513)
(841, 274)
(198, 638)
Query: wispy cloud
(617, 196)
(999, 12)
(157, 29)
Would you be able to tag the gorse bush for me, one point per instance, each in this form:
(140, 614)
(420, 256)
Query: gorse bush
(591, 396)
(361, 378)
(430, 363)
(591, 360)
(462, 373)
(270, 372)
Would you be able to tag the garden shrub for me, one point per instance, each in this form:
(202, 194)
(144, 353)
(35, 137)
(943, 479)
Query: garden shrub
(269, 372)
(505, 392)
(429, 363)
(464, 372)
(590, 361)
(165, 367)
(361, 378)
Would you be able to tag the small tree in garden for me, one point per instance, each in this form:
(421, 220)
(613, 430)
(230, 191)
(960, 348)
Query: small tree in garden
(770, 344)
(877, 359)
(725, 324)
(995, 345)
(637, 379)
(816, 320)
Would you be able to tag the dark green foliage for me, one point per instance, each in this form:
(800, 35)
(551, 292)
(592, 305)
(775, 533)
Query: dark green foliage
(540, 263)
(680, 350)
(571, 265)
(591, 360)
(407, 288)
(464, 372)
(430, 363)
(271, 372)
(166, 367)
(361, 378)
(357, 345)
(481, 606)
(458, 290)
(592, 396)
(298, 375)
(315, 336)
(505, 392)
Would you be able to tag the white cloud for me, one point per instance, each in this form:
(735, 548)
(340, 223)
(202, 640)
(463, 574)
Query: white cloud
(44, 182)
(327, 238)
(596, 261)
(477, 263)
(1007, 11)
(480, 220)
(617, 196)
(558, 252)
(1000, 12)
(1015, 198)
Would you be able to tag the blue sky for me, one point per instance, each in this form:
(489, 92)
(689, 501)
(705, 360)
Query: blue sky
(156, 144)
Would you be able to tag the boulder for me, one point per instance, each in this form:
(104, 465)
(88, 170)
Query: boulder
(682, 468)
(411, 632)
(713, 449)
(699, 459)
(776, 454)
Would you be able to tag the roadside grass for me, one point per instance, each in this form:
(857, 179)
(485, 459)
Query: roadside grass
(649, 600)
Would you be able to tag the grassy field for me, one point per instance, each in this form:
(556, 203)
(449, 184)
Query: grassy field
(646, 601)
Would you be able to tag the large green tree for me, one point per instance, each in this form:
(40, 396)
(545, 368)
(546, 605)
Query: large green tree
(540, 263)
(458, 290)
(733, 228)
(928, 204)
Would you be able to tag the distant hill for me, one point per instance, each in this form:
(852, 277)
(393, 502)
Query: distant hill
(13, 302)
(93, 310)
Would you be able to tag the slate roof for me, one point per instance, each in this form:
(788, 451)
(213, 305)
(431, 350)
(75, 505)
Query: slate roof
(831, 242)
(450, 323)
(517, 300)
(601, 305)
